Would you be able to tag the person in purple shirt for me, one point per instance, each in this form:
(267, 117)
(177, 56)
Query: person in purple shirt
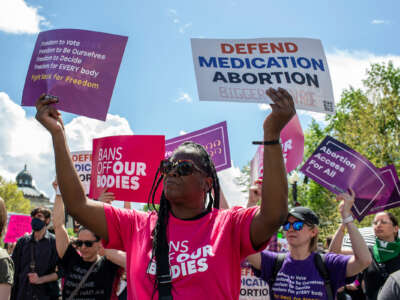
(299, 278)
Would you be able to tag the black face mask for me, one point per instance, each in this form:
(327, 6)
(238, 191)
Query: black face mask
(37, 224)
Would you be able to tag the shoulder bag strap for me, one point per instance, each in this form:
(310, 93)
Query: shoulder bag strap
(32, 264)
(275, 269)
(73, 294)
(323, 271)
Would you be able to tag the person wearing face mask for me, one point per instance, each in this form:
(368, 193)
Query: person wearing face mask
(35, 259)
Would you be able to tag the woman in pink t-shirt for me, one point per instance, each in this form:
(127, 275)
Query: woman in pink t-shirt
(188, 249)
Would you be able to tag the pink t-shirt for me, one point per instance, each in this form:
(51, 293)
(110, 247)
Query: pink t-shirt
(205, 253)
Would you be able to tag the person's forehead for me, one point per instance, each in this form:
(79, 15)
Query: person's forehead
(382, 216)
(86, 235)
(39, 215)
(189, 153)
(292, 219)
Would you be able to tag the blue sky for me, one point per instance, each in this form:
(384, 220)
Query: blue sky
(155, 92)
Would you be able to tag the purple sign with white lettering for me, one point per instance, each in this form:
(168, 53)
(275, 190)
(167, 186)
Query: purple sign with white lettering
(214, 139)
(337, 167)
(80, 67)
(391, 199)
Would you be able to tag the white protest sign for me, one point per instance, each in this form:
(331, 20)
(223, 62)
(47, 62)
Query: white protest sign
(83, 165)
(241, 70)
(252, 287)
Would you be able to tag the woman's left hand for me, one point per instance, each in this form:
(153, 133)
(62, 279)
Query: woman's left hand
(347, 201)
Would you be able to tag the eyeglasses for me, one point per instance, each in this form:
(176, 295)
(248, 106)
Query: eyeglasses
(182, 167)
(80, 243)
(383, 222)
(297, 225)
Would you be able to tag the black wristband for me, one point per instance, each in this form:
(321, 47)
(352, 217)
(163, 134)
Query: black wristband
(266, 143)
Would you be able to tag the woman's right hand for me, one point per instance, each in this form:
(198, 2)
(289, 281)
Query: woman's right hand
(47, 115)
(106, 197)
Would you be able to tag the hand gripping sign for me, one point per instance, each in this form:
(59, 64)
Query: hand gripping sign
(214, 139)
(241, 70)
(337, 167)
(126, 165)
(80, 67)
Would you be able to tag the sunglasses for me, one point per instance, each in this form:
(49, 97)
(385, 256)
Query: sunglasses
(80, 243)
(297, 225)
(182, 167)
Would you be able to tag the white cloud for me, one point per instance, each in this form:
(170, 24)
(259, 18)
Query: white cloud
(24, 141)
(173, 15)
(18, 17)
(184, 97)
(348, 68)
(182, 132)
(172, 12)
(232, 191)
(185, 27)
(81, 130)
(264, 106)
(378, 22)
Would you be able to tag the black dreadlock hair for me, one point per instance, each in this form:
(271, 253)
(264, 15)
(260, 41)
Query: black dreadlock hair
(160, 251)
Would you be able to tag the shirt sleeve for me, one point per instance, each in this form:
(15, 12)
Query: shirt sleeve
(337, 265)
(6, 271)
(242, 220)
(390, 290)
(122, 224)
(69, 255)
(268, 259)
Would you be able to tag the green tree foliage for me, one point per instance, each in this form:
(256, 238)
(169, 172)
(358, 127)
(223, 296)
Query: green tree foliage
(369, 120)
(150, 207)
(14, 198)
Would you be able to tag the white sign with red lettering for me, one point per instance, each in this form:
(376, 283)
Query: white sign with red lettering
(242, 70)
(83, 165)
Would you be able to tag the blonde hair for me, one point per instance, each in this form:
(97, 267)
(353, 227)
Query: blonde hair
(314, 240)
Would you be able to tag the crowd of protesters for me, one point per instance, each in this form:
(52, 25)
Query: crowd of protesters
(192, 246)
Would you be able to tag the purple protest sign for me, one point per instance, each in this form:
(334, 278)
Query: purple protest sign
(392, 198)
(214, 139)
(78, 66)
(337, 167)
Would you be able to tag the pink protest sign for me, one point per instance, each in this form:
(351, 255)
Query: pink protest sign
(126, 165)
(78, 66)
(256, 165)
(213, 138)
(18, 225)
(292, 139)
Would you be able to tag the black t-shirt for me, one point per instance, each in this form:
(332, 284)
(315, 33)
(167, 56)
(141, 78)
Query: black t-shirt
(98, 285)
(376, 274)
